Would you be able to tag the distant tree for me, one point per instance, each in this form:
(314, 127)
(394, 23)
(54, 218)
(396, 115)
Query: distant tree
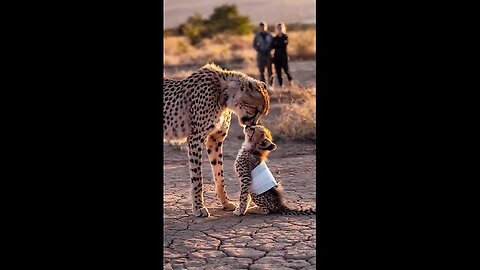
(227, 19)
(195, 28)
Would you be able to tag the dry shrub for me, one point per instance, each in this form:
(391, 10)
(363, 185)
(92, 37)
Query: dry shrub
(297, 120)
(296, 94)
(244, 57)
(242, 43)
(302, 44)
(177, 50)
(232, 49)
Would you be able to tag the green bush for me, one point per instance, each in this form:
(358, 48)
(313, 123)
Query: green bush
(225, 19)
(182, 47)
(194, 28)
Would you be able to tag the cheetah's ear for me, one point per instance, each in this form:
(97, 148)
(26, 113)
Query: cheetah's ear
(250, 85)
(266, 144)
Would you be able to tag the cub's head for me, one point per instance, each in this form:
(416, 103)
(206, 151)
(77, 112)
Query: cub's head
(249, 99)
(259, 138)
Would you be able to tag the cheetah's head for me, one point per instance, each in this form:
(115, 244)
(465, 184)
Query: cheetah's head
(249, 99)
(259, 138)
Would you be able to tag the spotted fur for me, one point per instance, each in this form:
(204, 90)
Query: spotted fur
(198, 110)
(255, 149)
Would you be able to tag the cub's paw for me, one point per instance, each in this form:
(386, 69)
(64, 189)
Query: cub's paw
(259, 210)
(238, 212)
(229, 206)
(201, 212)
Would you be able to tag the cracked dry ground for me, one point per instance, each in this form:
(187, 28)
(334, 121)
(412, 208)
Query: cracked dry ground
(225, 241)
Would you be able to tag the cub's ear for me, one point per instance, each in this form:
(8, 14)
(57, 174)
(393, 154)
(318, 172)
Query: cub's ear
(267, 145)
(250, 84)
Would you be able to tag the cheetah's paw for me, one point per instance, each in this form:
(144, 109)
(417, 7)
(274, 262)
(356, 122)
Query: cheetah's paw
(238, 212)
(229, 206)
(201, 212)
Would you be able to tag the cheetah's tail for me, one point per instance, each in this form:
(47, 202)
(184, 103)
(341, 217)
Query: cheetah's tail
(294, 212)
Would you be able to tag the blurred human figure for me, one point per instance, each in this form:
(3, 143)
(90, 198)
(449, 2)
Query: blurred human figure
(262, 43)
(280, 57)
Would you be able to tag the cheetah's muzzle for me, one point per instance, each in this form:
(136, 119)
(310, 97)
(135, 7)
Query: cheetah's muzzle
(246, 120)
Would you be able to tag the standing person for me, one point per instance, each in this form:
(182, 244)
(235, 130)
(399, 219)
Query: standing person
(280, 57)
(262, 43)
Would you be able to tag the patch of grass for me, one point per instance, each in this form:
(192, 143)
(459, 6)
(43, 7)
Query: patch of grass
(302, 45)
(228, 48)
(297, 120)
(295, 94)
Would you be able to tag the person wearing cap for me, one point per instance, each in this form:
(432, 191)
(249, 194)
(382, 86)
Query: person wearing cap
(262, 43)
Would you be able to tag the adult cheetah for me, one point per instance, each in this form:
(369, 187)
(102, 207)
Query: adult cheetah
(198, 110)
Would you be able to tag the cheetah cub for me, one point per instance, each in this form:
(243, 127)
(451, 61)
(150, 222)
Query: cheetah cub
(257, 182)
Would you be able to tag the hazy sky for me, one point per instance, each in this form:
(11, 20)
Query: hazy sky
(271, 11)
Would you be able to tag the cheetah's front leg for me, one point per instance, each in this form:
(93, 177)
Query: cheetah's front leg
(244, 196)
(215, 156)
(195, 147)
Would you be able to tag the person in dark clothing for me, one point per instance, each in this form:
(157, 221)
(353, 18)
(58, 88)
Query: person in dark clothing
(280, 57)
(262, 43)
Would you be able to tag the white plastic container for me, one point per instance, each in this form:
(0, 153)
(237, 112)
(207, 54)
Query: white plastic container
(262, 179)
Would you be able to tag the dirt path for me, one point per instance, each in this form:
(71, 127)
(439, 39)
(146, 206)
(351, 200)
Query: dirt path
(225, 241)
